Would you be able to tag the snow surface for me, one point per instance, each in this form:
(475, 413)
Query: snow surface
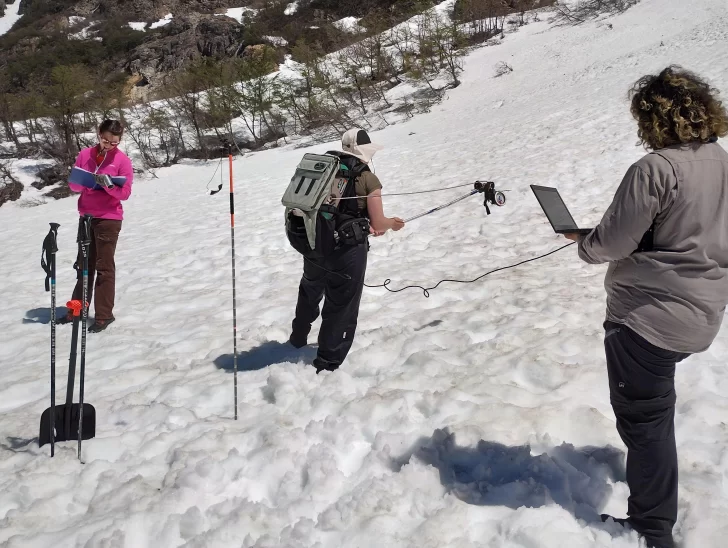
(348, 24)
(10, 18)
(85, 33)
(238, 13)
(276, 40)
(167, 19)
(291, 8)
(139, 25)
(477, 417)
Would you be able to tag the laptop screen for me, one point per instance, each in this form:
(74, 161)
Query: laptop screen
(554, 208)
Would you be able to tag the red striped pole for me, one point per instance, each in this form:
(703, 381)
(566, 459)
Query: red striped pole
(235, 306)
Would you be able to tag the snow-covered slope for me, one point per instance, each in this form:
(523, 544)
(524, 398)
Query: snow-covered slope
(418, 439)
(10, 18)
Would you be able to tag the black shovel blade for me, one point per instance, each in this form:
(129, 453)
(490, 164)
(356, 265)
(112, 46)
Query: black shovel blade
(59, 421)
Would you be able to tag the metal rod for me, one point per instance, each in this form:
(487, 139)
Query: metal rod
(468, 195)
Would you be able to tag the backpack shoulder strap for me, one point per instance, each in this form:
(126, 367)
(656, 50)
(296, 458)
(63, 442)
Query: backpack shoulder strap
(350, 206)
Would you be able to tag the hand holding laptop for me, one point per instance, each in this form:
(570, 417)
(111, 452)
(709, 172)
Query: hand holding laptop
(558, 214)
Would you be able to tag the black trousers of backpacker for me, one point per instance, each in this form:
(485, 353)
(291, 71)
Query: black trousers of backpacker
(341, 289)
(642, 392)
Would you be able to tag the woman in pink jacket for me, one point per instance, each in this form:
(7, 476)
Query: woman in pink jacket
(104, 205)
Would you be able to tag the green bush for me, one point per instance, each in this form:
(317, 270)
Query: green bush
(118, 38)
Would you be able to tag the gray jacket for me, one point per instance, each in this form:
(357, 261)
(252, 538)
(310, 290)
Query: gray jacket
(675, 295)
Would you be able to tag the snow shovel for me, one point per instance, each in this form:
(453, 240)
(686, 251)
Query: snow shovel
(73, 420)
(67, 416)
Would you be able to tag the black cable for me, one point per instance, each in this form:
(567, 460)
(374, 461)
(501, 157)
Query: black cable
(339, 274)
(426, 290)
(213, 176)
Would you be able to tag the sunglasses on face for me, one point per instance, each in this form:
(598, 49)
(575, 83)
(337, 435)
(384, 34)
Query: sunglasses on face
(110, 143)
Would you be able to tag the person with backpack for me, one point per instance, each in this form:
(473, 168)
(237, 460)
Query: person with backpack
(666, 300)
(104, 205)
(334, 269)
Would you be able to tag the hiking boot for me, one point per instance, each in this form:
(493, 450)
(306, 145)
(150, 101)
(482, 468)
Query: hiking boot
(662, 543)
(100, 325)
(651, 543)
(323, 365)
(297, 341)
(621, 521)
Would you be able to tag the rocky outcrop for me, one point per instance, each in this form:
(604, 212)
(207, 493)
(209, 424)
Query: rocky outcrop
(198, 28)
(217, 36)
(50, 176)
(25, 5)
(130, 10)
(184, 39)
(59, 192)
(4, 5)
(153, 10)
(9, 192)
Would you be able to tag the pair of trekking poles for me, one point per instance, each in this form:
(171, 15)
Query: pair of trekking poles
(71, 420)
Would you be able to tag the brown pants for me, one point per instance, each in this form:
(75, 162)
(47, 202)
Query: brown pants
(104, 235)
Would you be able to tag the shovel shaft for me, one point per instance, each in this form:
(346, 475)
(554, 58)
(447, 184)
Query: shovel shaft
(71, 377)
(53, 354)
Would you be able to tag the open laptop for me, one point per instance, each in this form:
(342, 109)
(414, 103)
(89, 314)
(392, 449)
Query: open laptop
(556, 211)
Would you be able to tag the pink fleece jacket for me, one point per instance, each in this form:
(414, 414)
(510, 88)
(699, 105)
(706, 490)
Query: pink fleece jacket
(104, 203)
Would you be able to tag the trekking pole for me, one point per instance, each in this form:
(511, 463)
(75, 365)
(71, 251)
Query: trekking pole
(492, 196)
(48, 262)
(229, 148)
(84, 235)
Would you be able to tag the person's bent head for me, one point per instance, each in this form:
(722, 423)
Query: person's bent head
(110, 133)
(676, 107)
(357, 143)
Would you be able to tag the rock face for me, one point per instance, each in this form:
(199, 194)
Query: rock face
(216, 36)
(198, 28)
(4, 5)
(50, 176)
(9, 192)
(128, 10)
(184, 39)
(24, 5)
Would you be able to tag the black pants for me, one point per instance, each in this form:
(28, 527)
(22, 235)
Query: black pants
(642, 392)
(341, 304)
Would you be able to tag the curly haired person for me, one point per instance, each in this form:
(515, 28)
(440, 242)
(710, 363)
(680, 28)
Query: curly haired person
(665, 237)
